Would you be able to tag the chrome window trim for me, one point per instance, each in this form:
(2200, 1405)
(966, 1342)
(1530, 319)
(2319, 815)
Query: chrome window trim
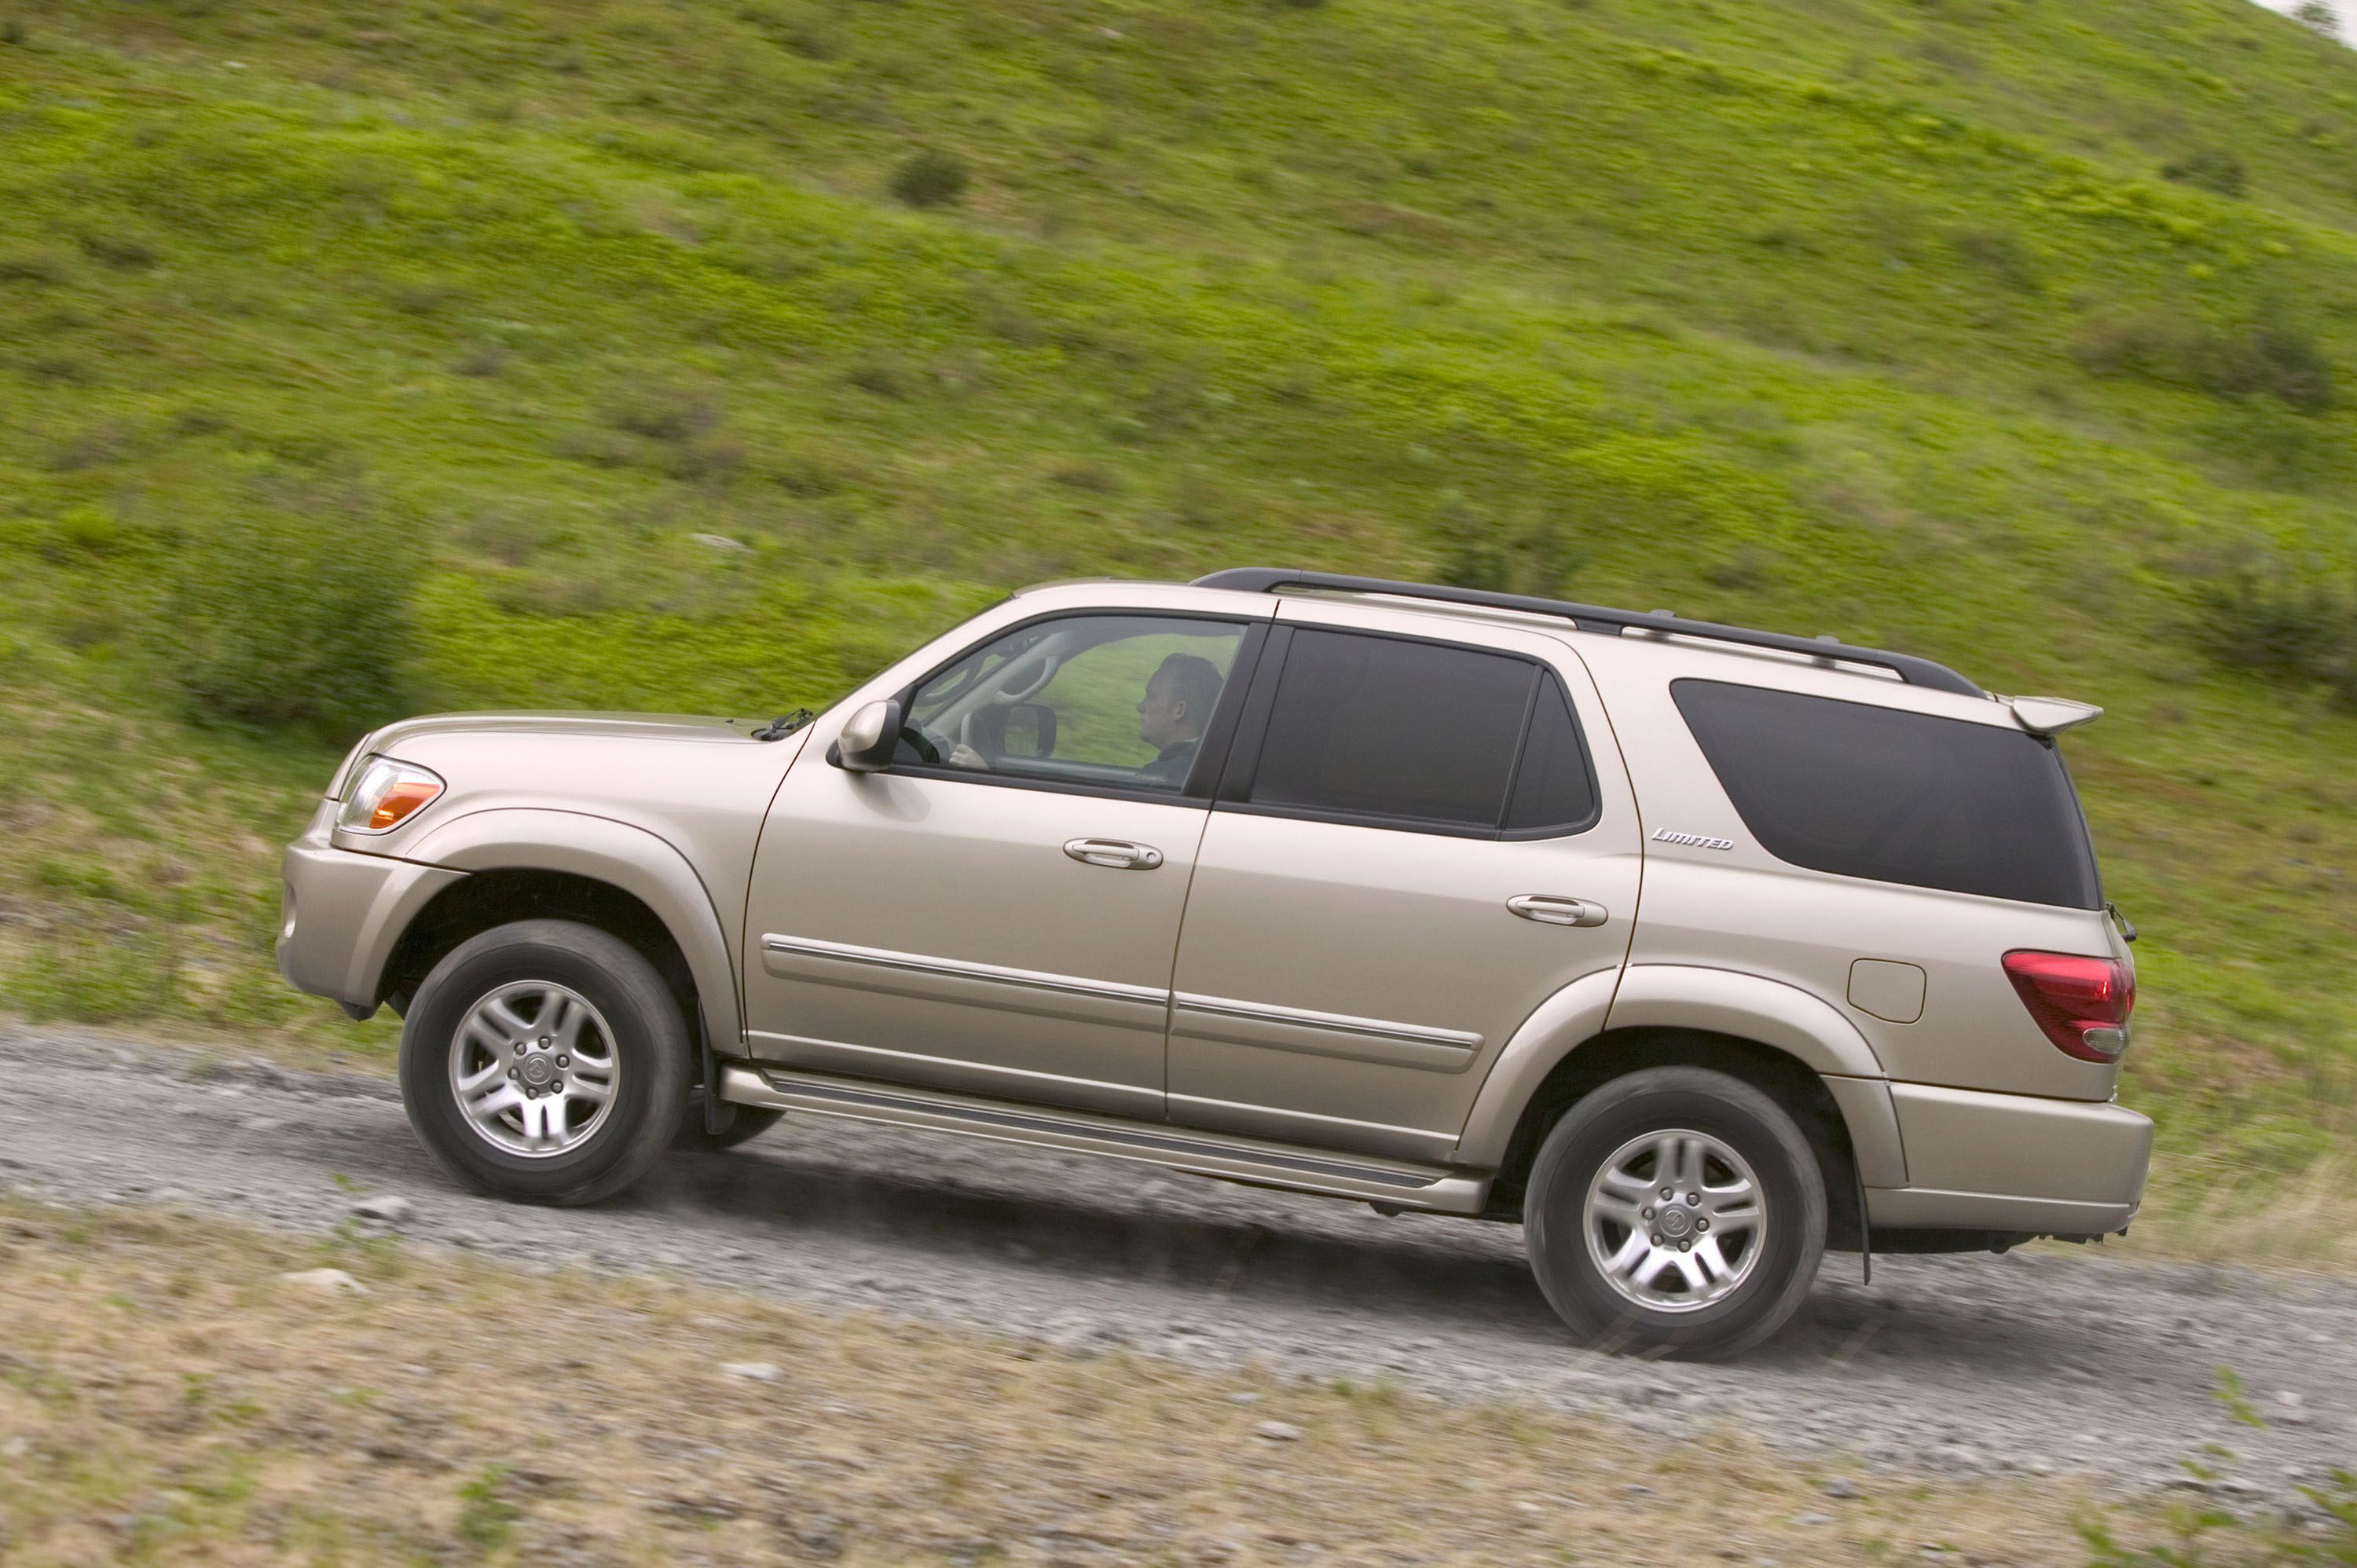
(964, 969)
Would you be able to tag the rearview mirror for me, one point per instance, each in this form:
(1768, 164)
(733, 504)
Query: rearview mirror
(866, 742)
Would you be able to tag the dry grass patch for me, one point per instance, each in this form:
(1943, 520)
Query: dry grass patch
(166, 1398)
(2206, 1213)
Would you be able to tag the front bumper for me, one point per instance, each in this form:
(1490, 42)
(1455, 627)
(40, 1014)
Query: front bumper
(2016, 1163)
(342, 912)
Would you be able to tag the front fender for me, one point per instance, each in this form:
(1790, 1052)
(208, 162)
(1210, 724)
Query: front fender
(630, 858)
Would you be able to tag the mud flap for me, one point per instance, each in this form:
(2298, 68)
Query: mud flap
(717, 1114)
(1865, 1226)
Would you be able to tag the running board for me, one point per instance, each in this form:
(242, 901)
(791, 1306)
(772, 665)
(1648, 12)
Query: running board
(1389, 1184)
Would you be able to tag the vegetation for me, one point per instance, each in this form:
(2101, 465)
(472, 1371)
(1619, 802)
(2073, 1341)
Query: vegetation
(623, 351)
(166, 1398)
(929, 178)
(2296, 623)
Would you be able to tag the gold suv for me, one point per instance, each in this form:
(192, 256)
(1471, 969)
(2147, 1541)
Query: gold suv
(1694, 949)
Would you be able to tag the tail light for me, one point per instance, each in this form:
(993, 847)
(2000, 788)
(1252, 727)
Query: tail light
(2080, 1003)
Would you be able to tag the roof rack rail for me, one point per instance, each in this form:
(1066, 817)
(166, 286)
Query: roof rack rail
(1595, 618)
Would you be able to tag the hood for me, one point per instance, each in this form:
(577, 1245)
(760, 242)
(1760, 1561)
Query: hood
(548, 726)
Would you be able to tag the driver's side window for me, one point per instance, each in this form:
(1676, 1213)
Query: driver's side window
(1108, 701)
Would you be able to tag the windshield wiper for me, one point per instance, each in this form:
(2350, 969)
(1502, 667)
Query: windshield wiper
(778, 728)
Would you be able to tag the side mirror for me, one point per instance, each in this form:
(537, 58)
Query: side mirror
(866, 742)
(1026, 731)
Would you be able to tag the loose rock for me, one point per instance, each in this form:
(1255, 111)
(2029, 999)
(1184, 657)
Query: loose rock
(387, 1208)
(754, 1371)
(325, 1281)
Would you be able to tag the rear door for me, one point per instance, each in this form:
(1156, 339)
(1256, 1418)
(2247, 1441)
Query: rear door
(1416, 841)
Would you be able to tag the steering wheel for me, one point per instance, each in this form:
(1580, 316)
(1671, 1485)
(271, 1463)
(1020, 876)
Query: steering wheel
(923, 743)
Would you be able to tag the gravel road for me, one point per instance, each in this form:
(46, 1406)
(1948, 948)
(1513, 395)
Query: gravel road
(2041, 1361)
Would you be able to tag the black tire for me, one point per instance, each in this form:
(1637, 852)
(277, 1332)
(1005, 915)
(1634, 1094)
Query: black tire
(743, 1125)
(651, 1042)
(1791, 1238)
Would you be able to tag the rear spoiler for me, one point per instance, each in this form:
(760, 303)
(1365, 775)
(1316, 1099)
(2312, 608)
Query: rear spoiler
(2051, 716)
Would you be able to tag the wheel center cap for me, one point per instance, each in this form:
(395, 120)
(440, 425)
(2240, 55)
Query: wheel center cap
(538, 1070)
(1675, 1222)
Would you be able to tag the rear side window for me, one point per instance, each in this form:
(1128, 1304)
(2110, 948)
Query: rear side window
(1860, 791)
(1374, 727)
(1555, 786)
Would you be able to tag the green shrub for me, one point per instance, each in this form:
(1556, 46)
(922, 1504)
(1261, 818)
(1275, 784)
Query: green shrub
(1475, 564)
(929, 178)
(285, 617)
(2269, 355)
(35, 263)
(2280, 448)
(82, 530)
(2284, 362)
(2002, 256)
(2291, 621)
(662, 411)
(2213, 169)
(119, 248)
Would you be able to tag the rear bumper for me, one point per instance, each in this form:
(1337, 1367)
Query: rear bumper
(341, 913)
(2014, 1163)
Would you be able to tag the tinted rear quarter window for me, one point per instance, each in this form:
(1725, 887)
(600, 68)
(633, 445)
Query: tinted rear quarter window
(1893, 796)
(1555, 784)
(1376, 727)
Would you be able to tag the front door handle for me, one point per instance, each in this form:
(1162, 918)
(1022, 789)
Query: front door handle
(1550, 911)
(1119, 854)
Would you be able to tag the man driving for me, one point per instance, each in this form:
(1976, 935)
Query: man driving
(1178, 703)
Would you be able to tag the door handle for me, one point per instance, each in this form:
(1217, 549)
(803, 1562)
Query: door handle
(1119, 854)
(1550, 911)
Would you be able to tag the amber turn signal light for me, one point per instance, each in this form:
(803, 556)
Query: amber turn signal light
(386, 794)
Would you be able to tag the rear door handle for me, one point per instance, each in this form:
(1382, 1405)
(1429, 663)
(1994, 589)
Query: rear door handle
(1550, 911)
(1119, 854)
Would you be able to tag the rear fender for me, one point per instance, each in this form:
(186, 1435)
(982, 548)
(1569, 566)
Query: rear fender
(1711, 1001)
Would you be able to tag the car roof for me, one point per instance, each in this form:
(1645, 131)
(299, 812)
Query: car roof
(1897, 679)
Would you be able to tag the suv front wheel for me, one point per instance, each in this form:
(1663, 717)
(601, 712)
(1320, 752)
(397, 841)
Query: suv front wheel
(1676, 1208)
(544, 1060)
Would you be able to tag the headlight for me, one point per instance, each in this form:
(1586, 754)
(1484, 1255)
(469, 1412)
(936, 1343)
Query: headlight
(386, 795)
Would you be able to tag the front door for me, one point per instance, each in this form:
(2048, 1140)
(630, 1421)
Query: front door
(1417, 842)
(996, 912)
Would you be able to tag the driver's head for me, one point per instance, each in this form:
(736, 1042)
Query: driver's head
(1178, 700)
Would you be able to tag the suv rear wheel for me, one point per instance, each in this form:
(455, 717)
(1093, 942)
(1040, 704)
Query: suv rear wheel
(544, 1060)
(1676, 1208)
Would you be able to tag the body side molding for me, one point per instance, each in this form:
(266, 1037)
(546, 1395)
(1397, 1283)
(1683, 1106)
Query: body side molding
(961, 969)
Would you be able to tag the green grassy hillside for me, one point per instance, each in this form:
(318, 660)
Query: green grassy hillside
(595, 341)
